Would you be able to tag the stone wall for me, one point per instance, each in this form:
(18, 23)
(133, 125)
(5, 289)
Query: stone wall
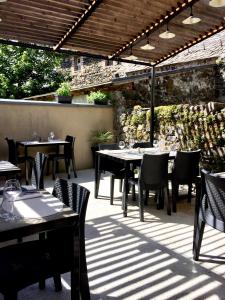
(184, 127)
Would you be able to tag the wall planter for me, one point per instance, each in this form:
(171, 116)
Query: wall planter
(64, 99)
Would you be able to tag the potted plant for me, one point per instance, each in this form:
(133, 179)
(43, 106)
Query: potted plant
(99, 98)
(63, 93)
(97, 137)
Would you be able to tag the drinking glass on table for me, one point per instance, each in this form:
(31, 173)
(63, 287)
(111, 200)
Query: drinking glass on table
(51, 136)
(122, 145)
(11, 192)
(132, 142)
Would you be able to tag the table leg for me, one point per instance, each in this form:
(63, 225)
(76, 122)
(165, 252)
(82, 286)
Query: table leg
(125, 190)
(97, 173)
(26, 166)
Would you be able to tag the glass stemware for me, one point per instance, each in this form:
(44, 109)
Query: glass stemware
(121, 145)
(51, 136)
(132, 142)
(11, 192)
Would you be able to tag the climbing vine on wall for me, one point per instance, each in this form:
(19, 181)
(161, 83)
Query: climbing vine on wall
(185, 126)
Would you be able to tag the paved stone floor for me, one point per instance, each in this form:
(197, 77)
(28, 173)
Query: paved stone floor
(128, 259)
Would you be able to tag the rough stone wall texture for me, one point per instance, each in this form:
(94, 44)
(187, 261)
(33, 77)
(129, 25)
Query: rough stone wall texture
(184, 127)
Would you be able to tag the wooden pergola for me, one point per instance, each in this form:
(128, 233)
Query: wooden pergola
(111, 29)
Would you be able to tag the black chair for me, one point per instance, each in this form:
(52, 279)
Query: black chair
(185, 171)
(13, 155)
(115, 168)
(76, 197)
(67, 156)
(142, 145)
(153, 176)
(26, 263)
(210, 209)
(37, 177)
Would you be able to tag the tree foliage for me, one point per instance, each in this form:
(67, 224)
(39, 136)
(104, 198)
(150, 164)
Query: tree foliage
(27, 72)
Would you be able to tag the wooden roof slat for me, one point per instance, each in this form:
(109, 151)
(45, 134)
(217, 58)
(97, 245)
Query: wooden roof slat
(110, 27)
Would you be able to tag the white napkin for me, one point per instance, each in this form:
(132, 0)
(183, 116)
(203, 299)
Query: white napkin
(38, 207)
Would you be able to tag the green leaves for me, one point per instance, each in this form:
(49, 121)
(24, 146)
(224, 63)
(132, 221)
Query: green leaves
(27, 72)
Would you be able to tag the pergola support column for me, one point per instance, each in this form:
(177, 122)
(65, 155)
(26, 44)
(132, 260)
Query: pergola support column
(152, 105)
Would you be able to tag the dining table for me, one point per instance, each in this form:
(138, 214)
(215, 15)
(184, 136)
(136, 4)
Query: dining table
(37, 144)
(8, 169)
(41, 212)
(127, 157)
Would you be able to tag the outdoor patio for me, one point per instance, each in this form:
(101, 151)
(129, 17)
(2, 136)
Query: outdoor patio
(128, 259)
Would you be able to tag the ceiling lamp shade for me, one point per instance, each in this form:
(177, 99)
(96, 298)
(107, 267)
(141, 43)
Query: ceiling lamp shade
(217, 3)
(191, 20)
(148, 46)
(131, 56)
(3, 1)
(167, 34)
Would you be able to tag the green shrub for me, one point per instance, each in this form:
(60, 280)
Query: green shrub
(98, 97)
(64, 89)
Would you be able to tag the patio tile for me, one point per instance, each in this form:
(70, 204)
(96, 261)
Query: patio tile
(128, 259)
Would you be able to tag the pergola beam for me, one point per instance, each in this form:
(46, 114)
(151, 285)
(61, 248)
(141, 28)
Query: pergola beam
(165, 19)
(73, 52)
(87, 13)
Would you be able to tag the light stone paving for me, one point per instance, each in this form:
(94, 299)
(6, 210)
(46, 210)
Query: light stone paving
(128, 259)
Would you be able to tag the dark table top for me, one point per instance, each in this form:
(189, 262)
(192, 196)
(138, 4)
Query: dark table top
(130, 155)
(42, 143)
(7, 168)
(23, 227)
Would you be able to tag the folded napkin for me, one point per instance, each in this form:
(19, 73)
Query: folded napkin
(28, 189)
(25, 195)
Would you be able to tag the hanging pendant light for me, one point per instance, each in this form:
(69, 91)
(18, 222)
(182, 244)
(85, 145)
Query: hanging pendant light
(148, 46)
(167, 34)
(131, 56)
(191, 19)
(217, 3)
(3, 1)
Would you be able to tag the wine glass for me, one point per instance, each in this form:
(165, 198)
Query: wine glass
(51, 136)
(11, 192)
(35, 136)
(121, 145)
(132, 141)
(155, 144)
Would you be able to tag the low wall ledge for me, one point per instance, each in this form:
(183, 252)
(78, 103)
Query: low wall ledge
(49, 103)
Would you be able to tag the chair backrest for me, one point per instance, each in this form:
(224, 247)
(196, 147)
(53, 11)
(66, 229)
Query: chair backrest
(215, 197)
(37, 177)
(12, 151)
(142, 145)
(69, 148)
(73, 195)
(108, 164)
(186, 166)
(154, 170)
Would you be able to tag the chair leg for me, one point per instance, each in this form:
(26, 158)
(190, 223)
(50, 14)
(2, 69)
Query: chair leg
(167, 200)
(158, 196)
(189, 192)
(121, 185)
(74, 167)
(53, 169)
(111, 189)
(141, 206)
(146, 196)
(175, 188)
(198, 235)
(67, 166)
(133, 192)
(57, 282)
